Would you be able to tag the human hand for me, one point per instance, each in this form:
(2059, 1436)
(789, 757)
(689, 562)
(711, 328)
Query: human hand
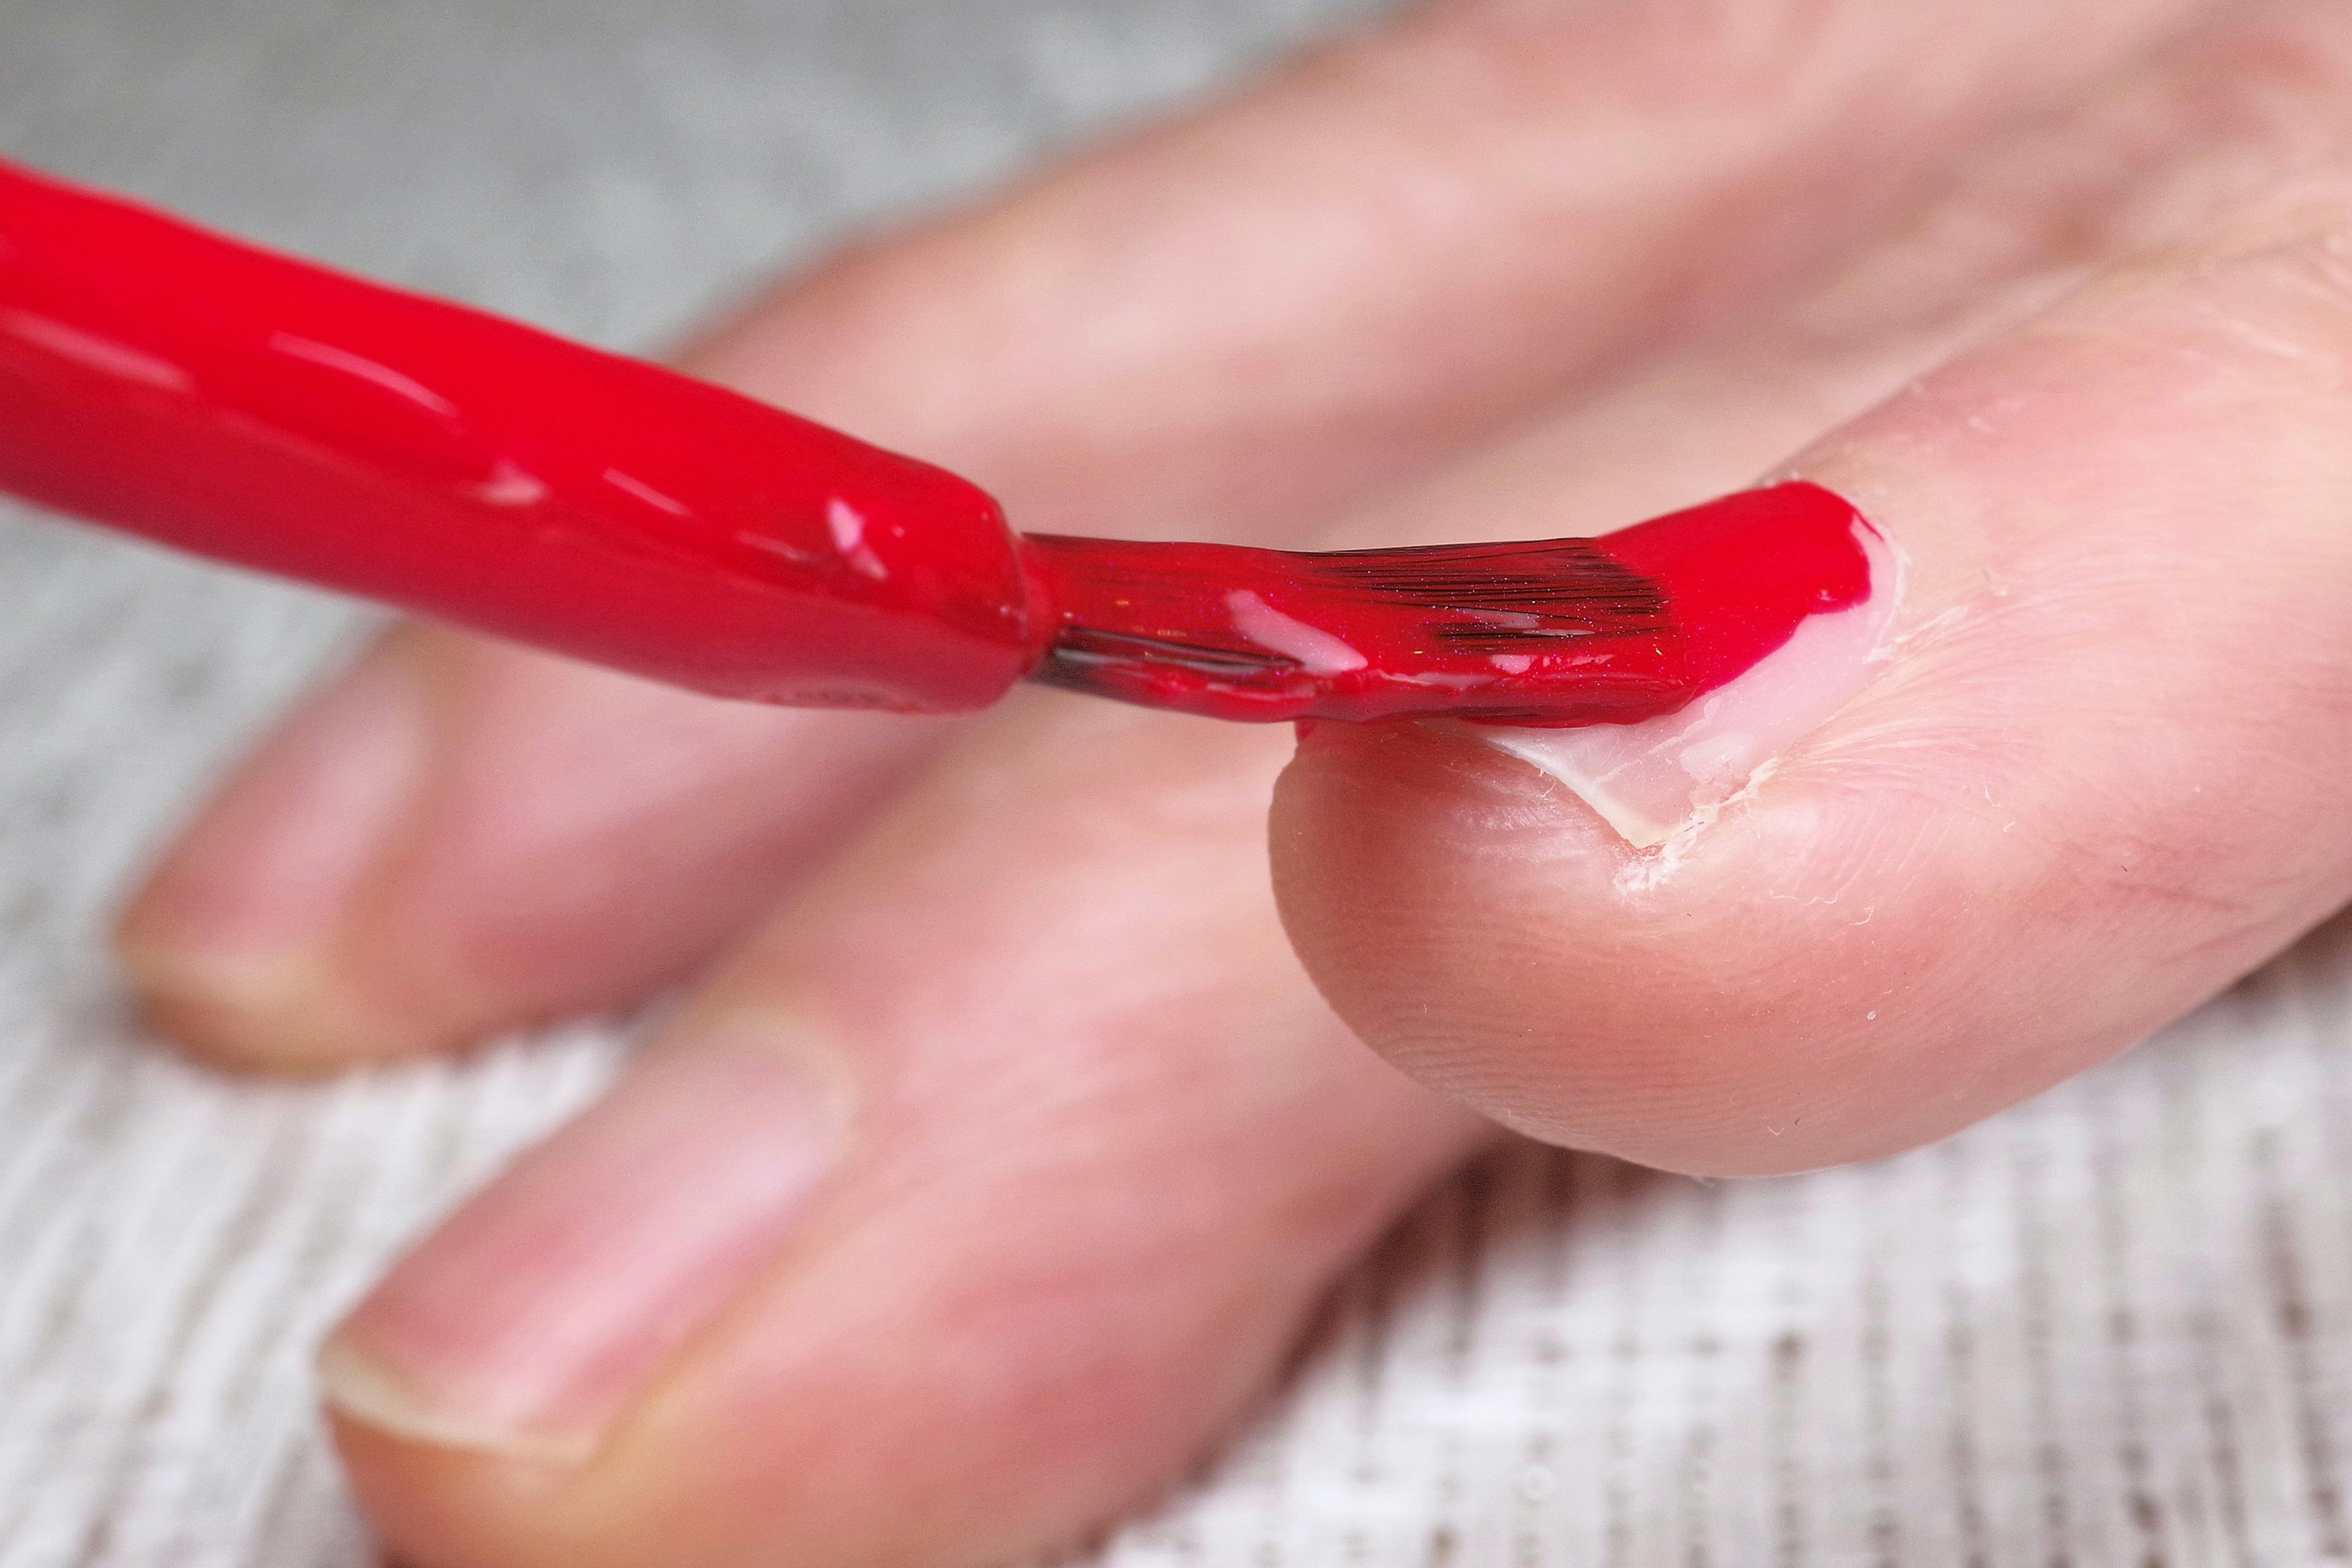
(993, 1169)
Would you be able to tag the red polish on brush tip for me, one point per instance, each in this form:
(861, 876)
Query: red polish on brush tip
(264, 411)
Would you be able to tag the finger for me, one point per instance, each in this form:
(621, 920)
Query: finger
(2073, 801)
(1225, 325)
(987, 1215)
(441, 841)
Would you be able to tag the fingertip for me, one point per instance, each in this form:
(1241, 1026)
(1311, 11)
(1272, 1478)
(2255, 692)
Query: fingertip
(1710, 1006)
(289, 1015)
(1394, 849)
(1560, 925)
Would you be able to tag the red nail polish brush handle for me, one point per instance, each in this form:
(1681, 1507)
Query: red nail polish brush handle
(268, 411)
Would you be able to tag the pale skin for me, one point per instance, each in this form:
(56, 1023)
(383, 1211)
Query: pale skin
(1002, 1144)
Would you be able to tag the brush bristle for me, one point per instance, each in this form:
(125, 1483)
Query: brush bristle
(1496, 598)
(1270, 634)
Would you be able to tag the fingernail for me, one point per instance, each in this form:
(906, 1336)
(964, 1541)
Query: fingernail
(537, 1314)
(238, 915)
(1652, 779)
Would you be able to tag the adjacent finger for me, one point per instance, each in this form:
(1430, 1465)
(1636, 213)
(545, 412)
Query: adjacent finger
(970, 1199)
(1225, 326)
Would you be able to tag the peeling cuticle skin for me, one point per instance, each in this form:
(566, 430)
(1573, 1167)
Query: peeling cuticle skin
(1662, 780)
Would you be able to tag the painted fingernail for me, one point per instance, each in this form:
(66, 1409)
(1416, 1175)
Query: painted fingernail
(538, 1314)
(238, 915)
(1653, 779)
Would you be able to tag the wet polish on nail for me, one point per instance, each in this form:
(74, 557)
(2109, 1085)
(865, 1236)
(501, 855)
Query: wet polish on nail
(1648, 780)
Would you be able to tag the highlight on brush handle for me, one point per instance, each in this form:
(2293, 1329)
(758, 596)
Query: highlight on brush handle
(268, 411)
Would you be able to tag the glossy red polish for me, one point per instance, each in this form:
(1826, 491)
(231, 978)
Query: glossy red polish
(1552, 632)
(264, 411)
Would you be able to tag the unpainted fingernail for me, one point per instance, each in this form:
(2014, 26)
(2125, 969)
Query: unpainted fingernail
(531, 1320)
(239, 918)
(1652, 779)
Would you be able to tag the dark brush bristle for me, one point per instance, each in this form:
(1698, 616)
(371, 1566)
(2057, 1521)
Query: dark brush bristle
(1080, 647)
(1152, 619)
(1550, 589)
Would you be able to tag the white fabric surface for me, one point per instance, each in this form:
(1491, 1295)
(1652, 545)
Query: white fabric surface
(2110, 1328)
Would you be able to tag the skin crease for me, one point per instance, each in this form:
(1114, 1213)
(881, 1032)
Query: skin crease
(1112, 1188)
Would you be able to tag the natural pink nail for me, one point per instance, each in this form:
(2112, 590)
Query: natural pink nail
(1650, 780)
(240, 918)
(534, 1318)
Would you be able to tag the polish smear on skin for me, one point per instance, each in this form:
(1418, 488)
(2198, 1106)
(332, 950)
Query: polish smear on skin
(1647, 780)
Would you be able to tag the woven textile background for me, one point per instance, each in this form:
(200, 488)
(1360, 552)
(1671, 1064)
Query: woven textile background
(2112, 1328)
